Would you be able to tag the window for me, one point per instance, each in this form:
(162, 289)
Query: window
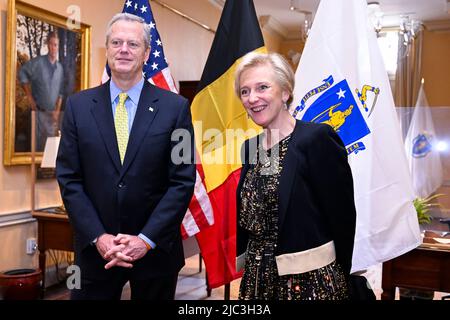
(388, 42)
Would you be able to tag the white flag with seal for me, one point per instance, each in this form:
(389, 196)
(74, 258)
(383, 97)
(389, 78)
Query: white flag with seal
(423, 159)
(341, 80)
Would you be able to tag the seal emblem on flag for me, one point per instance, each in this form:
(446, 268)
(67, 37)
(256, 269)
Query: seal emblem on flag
(421, 145)
(337, 107)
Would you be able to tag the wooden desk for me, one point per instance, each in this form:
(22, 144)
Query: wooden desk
(54, 232)
(426, 267)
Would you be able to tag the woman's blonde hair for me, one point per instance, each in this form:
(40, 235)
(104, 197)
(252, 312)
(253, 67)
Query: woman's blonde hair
(284, 76)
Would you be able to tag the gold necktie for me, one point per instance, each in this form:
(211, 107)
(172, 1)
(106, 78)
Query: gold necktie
(121, 124)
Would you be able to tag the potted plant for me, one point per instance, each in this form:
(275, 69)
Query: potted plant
(423, 206)
(20, 284)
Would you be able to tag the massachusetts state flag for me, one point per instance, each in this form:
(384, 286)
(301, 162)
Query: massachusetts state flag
(341, 81)
(420, 145)
(217, 109)
(156, 71)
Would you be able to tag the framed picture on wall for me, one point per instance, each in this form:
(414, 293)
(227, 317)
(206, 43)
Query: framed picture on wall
(47, 59)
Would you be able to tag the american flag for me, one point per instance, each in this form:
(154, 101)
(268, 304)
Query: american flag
(156, 70)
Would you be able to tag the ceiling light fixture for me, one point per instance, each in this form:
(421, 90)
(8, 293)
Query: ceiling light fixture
(295, 6)
(409, 28)
(375, 16)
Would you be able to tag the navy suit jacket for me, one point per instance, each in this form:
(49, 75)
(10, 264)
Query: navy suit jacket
(148, 194)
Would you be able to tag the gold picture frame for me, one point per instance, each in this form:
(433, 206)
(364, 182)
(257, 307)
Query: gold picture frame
(27, 29)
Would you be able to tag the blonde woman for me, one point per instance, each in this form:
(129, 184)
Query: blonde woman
(295, 205)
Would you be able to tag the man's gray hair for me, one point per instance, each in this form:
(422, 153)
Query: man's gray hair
(132, 18)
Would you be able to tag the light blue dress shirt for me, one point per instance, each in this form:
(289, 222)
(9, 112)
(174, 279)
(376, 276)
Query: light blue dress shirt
(130, 104)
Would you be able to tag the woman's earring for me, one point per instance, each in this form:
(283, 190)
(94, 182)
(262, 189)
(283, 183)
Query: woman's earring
(285, 105)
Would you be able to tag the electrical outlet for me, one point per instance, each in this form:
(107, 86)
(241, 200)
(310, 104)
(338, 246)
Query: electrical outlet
(31, 245)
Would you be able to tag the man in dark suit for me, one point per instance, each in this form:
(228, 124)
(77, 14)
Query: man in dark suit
(126, 178)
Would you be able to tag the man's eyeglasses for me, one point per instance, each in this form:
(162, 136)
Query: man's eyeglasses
(117, 43)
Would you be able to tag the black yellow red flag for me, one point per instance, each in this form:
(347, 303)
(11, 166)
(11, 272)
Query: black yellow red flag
(221, 124)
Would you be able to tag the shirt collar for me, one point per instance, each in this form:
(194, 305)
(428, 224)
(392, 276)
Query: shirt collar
(133, 93)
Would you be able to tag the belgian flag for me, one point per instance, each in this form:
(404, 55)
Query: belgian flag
(221, 125)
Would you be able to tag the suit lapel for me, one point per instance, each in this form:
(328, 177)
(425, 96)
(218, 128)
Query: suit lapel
(288, 174)
(146, 111)
(101, 110)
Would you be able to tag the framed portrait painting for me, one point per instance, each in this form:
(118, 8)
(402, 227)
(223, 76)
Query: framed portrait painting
(47, 59)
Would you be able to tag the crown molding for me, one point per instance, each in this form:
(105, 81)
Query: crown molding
(439, 25)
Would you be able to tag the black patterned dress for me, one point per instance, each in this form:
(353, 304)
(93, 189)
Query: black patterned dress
(259, 216)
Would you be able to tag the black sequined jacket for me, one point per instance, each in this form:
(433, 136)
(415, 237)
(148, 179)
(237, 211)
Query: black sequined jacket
(317, 214)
